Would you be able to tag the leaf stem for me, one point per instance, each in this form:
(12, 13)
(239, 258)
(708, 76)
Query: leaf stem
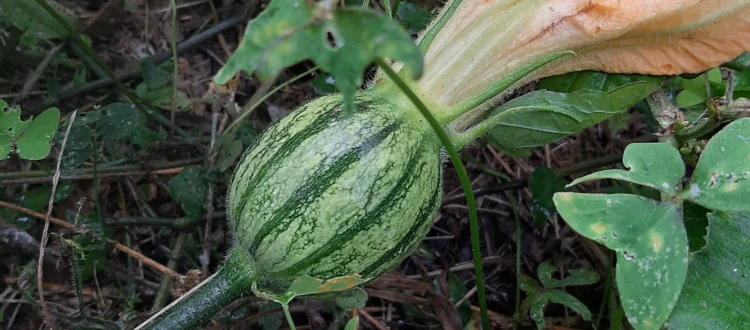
(205, 300)
(497, 88)
(90, 52)
(288, 317)
(462, 176)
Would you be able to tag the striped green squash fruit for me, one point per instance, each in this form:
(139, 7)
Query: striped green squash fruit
(328, 195)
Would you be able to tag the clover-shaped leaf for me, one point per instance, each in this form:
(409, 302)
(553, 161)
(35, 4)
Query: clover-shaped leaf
(653, 249)
(654, 165)
(341, 41)
(30, 139)
(721, 181)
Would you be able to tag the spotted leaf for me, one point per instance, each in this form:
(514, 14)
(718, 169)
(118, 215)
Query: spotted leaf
(341, 41)
(652, 248)
(721, 181)
(654, 165)
(30, 139)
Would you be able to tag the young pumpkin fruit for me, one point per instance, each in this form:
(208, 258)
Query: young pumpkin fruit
(324, 194)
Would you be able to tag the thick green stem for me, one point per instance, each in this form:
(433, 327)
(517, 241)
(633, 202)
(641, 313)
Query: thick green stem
(462, 176)
(498, 87)
(205, 300)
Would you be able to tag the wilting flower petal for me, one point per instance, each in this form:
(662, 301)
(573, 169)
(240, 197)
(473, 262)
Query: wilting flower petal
(486, 40)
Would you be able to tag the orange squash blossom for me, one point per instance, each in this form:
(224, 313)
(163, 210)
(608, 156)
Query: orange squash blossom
(487, 39)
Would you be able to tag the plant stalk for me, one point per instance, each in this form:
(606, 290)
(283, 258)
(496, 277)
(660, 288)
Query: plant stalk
(194, 308)
(462, 176)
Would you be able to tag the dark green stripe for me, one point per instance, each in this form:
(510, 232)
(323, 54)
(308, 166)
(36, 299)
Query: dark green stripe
(290, 144)
(394, 196)
(409, 240)
(297, 205)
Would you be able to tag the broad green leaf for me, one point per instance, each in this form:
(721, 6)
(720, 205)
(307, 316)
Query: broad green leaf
(694, 90)
(190, 188)
(592, 80)
(651, 243)
(28, 16)
(544, 183)
(342, 42)
(575, 277)
(654, 165)
(153, 76)
(30, 139)
(351, 299)
(716, 294)
(721, 181)
(542, 117)
(118, 120)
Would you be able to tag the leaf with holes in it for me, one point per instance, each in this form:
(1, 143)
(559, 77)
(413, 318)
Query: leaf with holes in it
(654, 165)
(721, 181)
(542, 117)
(30, 139)
(716, 294)
(342, 42)
(652, 248)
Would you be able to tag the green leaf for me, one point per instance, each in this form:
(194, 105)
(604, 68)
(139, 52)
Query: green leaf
(28, 16)
(153, 76)
(721, 181)
(79, 138)
(352, 324)
(144, 136)
(324, 84)
(412, 18)
(651, 243)
(695, 218)
(592, 80)
(545, 272)
(307, 285)
(716, 294)
(340, 41)
(162, 97)
(537, 299)
(74, 158)
(190, 189)
(542, 117)
(654, 165)
(544, 183)
(351, 299)
(84, 118)
(273, 321)
(30, 139)
(118, 120)
(694, 90)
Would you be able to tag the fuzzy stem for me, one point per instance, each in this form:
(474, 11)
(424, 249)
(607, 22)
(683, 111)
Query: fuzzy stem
(205, 300)
(462, 176)
(434, 29)
(497, 88)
